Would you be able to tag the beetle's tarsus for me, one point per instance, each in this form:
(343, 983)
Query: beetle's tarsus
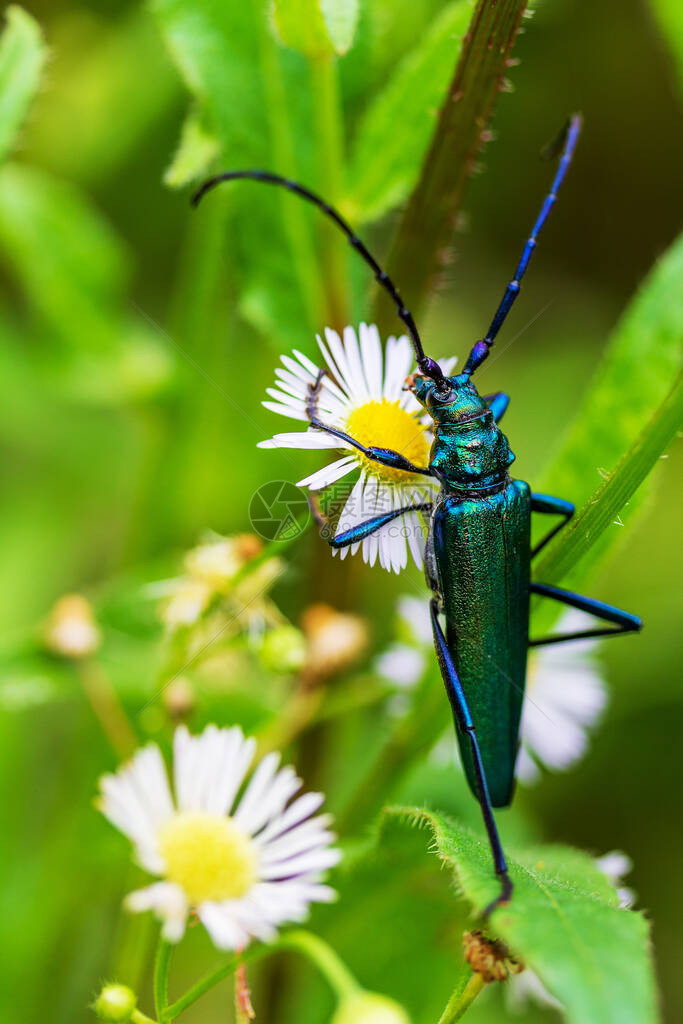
(504, 896)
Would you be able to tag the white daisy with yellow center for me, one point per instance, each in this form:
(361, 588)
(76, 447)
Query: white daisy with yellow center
(245, 864)
(363, 395)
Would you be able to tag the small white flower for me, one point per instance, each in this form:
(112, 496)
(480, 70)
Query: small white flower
(363, 396)
(245, 864)
(565, 697)
(614, 866)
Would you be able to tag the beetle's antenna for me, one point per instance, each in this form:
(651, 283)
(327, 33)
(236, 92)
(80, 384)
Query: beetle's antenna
(566, 143)
(429, 367)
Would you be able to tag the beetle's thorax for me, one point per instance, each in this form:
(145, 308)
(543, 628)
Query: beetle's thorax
(469, 451)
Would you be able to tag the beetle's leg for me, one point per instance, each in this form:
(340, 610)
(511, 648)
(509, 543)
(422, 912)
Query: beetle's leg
(362, 530)
(463, 719)
(623, 622)
(548, 505)
(497, 403)
(385, 456)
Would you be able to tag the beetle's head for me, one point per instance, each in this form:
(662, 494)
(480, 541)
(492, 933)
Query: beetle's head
(469, 449)
(450, 400)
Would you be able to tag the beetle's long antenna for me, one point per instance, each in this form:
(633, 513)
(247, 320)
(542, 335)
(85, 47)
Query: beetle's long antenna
(428, 366)
(567, 142)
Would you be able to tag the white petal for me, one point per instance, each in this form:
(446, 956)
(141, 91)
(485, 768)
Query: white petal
(302, 808)
(305, 439)
(168, 902)
(371, 355)
(330, 474)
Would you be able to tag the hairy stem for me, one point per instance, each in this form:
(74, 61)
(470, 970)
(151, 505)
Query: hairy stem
(162, 966)
(461, 1000)
(611, 496)
(429, 219)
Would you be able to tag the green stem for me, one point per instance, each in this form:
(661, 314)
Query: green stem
(162, 966)
(611, 496)
(328, 128)
(315, 949)
(284, 159)
(332, 968)
(412, 736)
(428, 222)
(138, 1017)
(461, 1000)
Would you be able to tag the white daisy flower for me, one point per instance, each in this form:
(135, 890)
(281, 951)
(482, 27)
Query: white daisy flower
(363, 395)
(244, 864)
(565, 696)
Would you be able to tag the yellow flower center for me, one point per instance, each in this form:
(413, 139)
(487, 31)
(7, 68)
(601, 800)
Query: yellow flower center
(385, 424)
(208, 856)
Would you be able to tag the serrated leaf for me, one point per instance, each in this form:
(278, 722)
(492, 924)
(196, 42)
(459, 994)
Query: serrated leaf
(625, 421)
(394, 133)
(563, 920)
(197, 148)
(22, 57)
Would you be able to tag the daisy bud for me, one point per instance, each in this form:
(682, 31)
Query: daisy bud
(218, 561)
(490, 957)
(71, 630)
(115, 1003)
(335, 640)
(283, 649)
(179, 698)
(370, 1008)
(187, 604)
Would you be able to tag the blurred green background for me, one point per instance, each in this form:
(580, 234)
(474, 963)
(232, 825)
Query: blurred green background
(133, 361)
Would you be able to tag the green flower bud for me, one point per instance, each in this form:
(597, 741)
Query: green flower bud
(370, 1008)
(115, 1003)
(283, 649)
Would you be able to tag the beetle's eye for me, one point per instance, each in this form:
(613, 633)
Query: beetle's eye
(442, 394)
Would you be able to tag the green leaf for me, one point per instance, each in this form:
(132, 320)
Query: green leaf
(197, 149)
(394, 133)
(74, 271)
(563, 920)
(22, 57)
(669, 14)
(625, 422)
(316, 28)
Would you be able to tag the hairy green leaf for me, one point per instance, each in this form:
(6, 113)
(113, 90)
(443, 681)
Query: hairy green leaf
(394, 133)
(22, 57)
(564, 920)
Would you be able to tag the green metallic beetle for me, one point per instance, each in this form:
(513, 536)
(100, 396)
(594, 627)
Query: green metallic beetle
(478, 553)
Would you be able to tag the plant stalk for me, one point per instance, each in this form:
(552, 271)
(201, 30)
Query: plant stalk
(426, 228)
(461, 1000)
